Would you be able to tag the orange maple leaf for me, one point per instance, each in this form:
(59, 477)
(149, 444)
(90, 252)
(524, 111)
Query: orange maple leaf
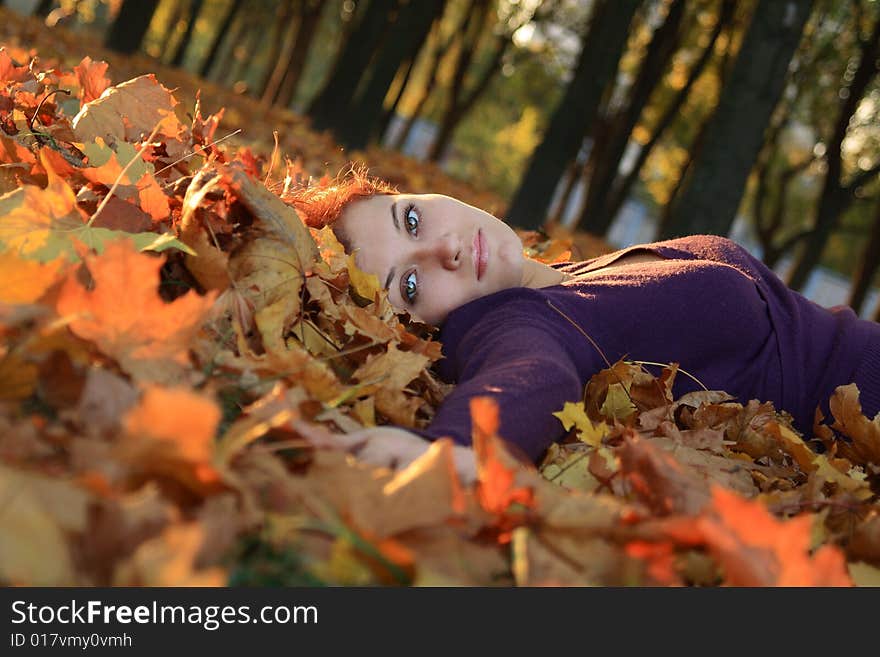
(172, 431)
(91, 78)
(127, 319)
(497, 488)
(756, 549)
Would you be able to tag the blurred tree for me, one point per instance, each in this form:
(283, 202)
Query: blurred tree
(713, 187)
(405, 38)
(170, 29)
(623, 184)
(441, 46)
(472, 30)
(254, 30)
(329, 108)
(131, 24)
(222, 32)
(608, 148)
(601, 49)
(404, 73)
(195, 8)
(778, 166)
(309, 18)
(43, 8)
(837, 194)
(868, 265)
(280, 30)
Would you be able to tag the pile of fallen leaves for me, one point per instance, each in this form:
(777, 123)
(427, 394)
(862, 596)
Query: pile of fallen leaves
(166, 317)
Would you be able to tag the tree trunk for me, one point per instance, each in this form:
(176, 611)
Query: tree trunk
(405, 38)
(237, 34)
(710, 198)
(597, 64)
(870, 263)
(389, 113)
(253, 36)
(621, 188)
(837, 196)
(436, 57)
(460, 109)
(280, 36)
(45, 6)
(131, 25)
(195, 9)
(328, 109)
(219, 36)
(595, 217)
(305, 35)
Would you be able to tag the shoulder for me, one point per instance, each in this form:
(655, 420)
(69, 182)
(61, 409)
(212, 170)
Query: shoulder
(504, 322)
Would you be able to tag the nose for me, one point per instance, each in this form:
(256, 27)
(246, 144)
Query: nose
(446, 250)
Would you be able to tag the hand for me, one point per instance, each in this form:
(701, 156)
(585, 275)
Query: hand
(390, 447)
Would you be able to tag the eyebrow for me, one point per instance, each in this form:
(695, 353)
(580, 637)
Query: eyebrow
(397, 226)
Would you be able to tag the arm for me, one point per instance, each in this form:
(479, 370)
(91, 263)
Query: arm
(516, 354)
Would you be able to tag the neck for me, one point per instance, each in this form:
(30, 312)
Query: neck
(537, 274)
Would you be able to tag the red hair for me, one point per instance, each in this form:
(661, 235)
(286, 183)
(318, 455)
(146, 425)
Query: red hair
(320, 204)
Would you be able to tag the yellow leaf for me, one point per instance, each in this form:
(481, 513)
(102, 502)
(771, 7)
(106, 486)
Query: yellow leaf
(617, 403)
(25, 281)
(864, 574)
(574, 415)
(365, 285)
(35, 513)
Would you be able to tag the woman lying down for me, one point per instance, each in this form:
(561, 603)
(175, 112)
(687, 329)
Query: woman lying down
(528, 334)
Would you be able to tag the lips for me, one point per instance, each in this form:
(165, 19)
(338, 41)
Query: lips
(481, 255)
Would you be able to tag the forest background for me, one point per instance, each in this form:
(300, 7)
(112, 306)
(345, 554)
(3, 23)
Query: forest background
(560, 111)
(173, 334)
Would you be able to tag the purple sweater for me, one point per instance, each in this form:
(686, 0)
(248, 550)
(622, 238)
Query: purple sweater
(719, 312)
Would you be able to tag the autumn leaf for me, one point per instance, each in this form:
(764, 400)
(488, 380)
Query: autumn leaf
(496, 470)
(849, 420)
(34, 220)
(756, 549)
(92, 79)
(171, 431)
(36, 514)
(574, 415)
(127, 112)
(127, 319)
(25, 281)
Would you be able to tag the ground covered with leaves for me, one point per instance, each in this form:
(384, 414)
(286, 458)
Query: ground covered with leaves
(166, 317)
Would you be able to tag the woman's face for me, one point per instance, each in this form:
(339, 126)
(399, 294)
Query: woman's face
(432, 252)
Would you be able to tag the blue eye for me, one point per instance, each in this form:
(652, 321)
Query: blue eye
(409, 287)
(411, 220)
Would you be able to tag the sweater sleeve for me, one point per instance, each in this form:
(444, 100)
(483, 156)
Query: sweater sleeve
(517, 354)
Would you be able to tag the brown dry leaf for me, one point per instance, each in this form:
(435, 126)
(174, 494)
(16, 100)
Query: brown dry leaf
(662, 483)
(128, 112)
(280, 221)
(425, 493)
(810, 461)
(849, 420)
(104, 400)
(210, 265)
(127, 319)
(37, 515)
(386, 375)
(447, 556)
(170, 559)
(553, 558)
